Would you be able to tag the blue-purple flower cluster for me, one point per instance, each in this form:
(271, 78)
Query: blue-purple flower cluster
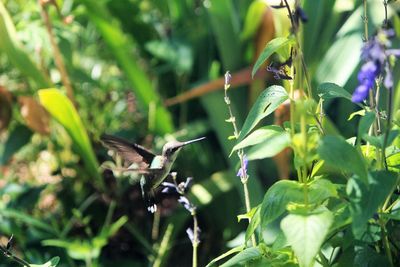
(375, 55)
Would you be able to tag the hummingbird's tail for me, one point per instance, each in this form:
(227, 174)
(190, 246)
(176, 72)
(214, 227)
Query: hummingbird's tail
(148, 196)
(150, 201)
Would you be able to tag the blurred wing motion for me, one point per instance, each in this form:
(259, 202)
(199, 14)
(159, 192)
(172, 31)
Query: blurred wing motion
(130, 152)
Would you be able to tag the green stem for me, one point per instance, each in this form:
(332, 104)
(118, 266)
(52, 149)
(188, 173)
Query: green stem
(385, 241)
(195, 239)
(365, 20)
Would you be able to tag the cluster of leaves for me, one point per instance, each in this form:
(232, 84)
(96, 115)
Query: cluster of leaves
(344, 208)
(123, 58)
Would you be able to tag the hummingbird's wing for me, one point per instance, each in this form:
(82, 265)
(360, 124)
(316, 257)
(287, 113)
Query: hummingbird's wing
(130, 152)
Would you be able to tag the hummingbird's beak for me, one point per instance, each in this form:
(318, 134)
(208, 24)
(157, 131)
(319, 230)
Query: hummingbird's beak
(192, 141)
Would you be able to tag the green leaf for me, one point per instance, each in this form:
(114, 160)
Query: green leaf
(378, 141)
(331, 90)
(63, 111)
(306, 233)
(266, 103)
(321, 189)
(273, 46)
(271, 147)
(226, 254)
(29, 220)
(51, 263)
(12, 48)
(339, 154)
(243, 257)
(18, 137)
(364, 125)
(278, 196)
(121, 45)
(253, 18)
(258, 136)
(366, 199)
(78, 249)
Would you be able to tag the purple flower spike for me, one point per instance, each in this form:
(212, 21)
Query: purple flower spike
(376, 61)
(186, 204)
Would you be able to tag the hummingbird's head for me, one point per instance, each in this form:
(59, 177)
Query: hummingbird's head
(171, 149)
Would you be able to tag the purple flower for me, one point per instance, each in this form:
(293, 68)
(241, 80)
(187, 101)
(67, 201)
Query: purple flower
(186, 204)
(181, 188)
(190, 234)
(228, 78)
(243, 171)
(376, 57)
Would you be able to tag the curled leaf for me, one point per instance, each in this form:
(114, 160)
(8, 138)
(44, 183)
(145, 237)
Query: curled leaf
(35, 116)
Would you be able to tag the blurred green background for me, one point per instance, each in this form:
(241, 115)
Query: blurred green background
(125, 62)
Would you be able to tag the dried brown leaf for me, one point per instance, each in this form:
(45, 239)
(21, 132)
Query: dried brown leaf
(34, 114)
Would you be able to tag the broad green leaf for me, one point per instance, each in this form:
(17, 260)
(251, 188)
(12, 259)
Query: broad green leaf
(306, 233)
(243, 257)
(331, 90)
(272, 47)
(63, 111)
(365, 200)
(278, 196)
(51, 263)
(269, 148)
(226, 254)
(266, 103)
(337, 153)
(121, 45)
(18, 137)
(258, 136)
(12, 48)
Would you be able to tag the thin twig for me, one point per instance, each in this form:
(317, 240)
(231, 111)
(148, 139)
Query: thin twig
(58, 59)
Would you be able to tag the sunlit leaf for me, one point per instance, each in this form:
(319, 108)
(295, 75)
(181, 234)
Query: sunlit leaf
(270, 147)
(306, 233)
(51, 263)
(258, 136)
(266, 103)
(226, 254)
(273, 46)
(63, 111)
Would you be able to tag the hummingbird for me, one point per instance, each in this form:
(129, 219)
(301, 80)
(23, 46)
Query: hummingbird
(154, 168)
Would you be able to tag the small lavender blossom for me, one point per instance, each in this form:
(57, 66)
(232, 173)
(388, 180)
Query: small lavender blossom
(181, 188)
(228, 78)
(190, 234)
(243, 171)
(186, 204)
(376, 57)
